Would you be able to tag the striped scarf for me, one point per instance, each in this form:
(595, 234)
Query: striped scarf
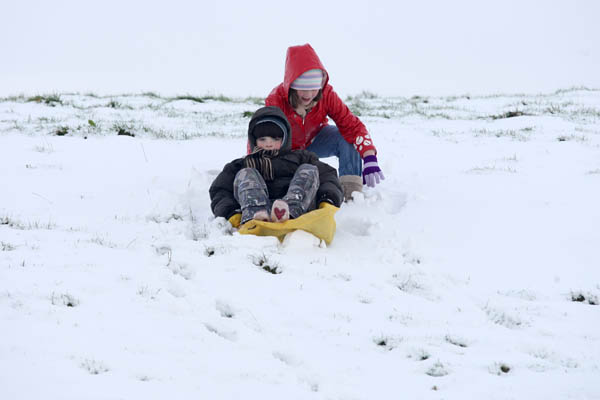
(260, 160)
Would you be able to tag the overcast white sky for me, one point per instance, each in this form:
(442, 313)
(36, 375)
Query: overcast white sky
(237, 48)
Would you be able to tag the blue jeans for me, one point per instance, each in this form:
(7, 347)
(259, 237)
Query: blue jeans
(329, 142)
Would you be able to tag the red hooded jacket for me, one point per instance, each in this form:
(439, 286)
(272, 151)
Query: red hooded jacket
(300, 59)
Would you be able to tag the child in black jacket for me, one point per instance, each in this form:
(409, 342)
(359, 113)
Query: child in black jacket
(273, 183)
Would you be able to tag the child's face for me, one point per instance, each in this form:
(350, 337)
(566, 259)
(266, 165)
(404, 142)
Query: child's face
(269, 143)
(307, 96)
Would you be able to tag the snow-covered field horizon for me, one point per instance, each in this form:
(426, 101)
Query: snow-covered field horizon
(472, 271)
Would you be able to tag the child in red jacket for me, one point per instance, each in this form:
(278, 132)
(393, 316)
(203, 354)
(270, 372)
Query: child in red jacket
(307, 100)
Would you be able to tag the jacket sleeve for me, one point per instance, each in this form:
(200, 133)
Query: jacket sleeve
(330, 189)
(222, 202)
(350, 126)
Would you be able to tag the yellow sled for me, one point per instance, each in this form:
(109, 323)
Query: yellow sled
(319, 222)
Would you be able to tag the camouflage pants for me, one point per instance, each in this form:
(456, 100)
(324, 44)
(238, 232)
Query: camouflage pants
(250, 191)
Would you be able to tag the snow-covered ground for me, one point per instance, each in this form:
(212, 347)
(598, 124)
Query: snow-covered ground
(473, 271)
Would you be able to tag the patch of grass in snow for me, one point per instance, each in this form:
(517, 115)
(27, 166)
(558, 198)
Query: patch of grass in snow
(94, 367)
(259, 101)
(490, 169)
(222, 98)
(199, 232)
(357, 106)
(202, 99)
(13, 99)
(182, 269)
(407, 283)
(500, 133)
(584, 297)
(508, 114)
(123, 129)
(43, 166)
(164, 218)
(588, 112)
(456, 341)
(503, 318)
(556, 109)
(51, 100)
(4, 246)
(104, 242)
(212, 250)
(46, 148)
(574, 89)
(189, 97)
(387, 342)
(419, 355)
(181, 135)
(48, 120)
(428, 114)
(224, 309)
(152, 95)
(403, 319)
(26, 226)
(568, 138)
(219, 97)
(227, 335)
(522, 294)
(147, 293)
(552, 357)
(165, 250)
(442, 133)
(411, 258)
(114, 104)
(362, 95)
(64, 299)
(512, 158)
(262, 261)
(437, 370)
(499, 368)
(61, 131)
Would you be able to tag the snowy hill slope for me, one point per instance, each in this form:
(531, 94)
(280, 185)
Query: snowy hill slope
(472, 271)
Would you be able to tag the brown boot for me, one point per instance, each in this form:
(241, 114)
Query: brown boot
(351, 183)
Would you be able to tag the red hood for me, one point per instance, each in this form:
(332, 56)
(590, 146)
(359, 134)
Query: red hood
(298, 60)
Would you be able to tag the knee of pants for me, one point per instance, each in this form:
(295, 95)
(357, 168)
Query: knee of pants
(249, 178)
(246, 180)
(348, 150)
(305, 173)
(350, 161)
(246, 172)
(308, 169)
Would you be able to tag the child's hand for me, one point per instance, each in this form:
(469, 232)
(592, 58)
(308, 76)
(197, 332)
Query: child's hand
(372, 174)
